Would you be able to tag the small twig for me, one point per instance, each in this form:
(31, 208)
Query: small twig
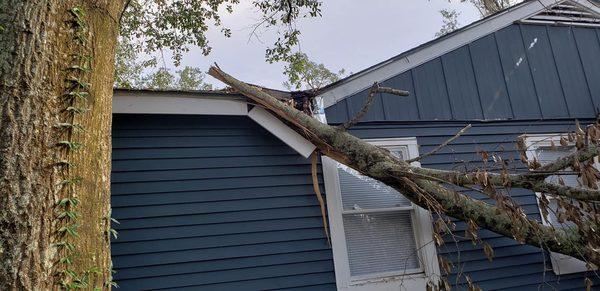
(370, 98)
(441, 145)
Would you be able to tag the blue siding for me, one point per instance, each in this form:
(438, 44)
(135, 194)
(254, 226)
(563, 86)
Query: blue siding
(490, 78)
(213, 203)
(516, 73)
(523, 71)
(572, 77)
(400, 107)
(460, 81)
(543, 68)
(515, 266)
(430, 86)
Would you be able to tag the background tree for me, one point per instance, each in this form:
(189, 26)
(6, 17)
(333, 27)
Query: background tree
(450, 19)
(57, 60)
(304, 74)
(485, 8)
(189, 78)
(192, 79)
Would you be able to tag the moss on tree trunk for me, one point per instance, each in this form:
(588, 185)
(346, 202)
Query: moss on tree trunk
(38, 49)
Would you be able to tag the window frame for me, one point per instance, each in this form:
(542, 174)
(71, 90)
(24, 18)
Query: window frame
(561, 264)
(414, 279)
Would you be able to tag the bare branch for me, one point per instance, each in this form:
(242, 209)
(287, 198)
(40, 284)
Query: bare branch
(439, 147)
(370, 98)
(364, 109)
(393, 91)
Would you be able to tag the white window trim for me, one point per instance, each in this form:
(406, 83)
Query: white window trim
(141, 102)
(561, 264)
(408, 279)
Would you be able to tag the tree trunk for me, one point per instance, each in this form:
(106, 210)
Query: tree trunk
(46, 110)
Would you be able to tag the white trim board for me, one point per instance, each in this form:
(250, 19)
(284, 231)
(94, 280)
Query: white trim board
(170, 103)
(397, 65)
(282, 131)
(207, 104)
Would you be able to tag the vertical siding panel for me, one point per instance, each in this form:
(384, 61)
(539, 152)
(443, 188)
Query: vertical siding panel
(430, 89)
(356, 102)
(588, 45)
(544, 72)
(337, 113)
(490, 80)
(516, 73)
(401, 108)
(460, 81)
(570, 71)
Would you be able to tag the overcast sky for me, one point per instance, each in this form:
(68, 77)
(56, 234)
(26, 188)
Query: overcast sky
(351, 34)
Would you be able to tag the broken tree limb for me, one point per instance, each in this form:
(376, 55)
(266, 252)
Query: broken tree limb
(364, 109)
(435, 150)
(588, 153)
(393, 91)
(369, 101)
(381, 165)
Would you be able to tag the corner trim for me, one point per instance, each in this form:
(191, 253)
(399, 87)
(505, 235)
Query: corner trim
(282, 131)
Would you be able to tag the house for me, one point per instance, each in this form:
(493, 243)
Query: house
(213, 193)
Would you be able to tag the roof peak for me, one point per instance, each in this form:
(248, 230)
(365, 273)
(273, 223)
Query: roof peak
(549, 11)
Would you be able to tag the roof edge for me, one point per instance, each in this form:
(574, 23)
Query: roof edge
(403, 62)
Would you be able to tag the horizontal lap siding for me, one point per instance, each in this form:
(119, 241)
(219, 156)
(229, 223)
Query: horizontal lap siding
(213, 203)
(523, 71)
(517, 267)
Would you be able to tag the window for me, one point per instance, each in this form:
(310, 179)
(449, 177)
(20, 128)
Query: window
(546, 148)
(380, 239)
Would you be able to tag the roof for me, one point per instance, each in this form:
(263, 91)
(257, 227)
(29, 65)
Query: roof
(279, 94)
(354, 83)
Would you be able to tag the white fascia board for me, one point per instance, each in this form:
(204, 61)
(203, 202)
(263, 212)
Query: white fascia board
(282, 131)
(170, 103)
(394, 67)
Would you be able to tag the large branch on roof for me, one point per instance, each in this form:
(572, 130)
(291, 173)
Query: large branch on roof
(381, 165)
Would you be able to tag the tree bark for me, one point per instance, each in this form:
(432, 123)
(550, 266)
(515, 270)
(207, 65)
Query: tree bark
(415, 183)
(40, 49)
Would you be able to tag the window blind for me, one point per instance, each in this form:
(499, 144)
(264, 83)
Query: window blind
(378, 226)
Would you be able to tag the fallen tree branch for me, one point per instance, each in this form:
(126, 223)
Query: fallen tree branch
(588, 153)
(439, 147)
(532, 181)
(381, 165)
